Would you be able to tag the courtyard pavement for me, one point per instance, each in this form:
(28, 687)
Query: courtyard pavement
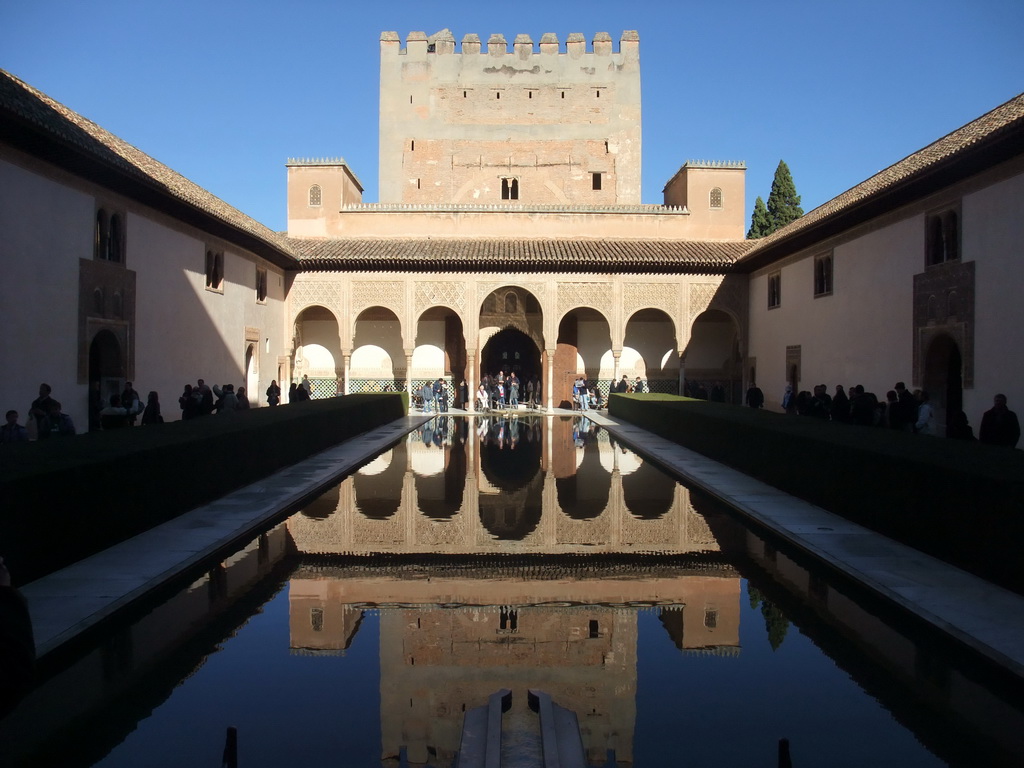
(984, 617)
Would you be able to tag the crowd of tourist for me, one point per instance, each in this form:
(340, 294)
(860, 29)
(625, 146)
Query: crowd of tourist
(902, 409)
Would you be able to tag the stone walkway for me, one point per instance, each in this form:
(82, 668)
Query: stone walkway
(982, 616)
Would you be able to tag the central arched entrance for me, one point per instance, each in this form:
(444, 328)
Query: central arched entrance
(510, 350)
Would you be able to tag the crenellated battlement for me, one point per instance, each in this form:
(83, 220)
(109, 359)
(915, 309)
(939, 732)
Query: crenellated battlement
(419, 44)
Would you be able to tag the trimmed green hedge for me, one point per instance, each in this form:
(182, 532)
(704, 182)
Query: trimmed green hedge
(67, 498)
(960, 501)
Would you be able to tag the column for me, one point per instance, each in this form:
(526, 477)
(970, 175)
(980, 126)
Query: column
(346, 370)
(408, 374)
(549, 384)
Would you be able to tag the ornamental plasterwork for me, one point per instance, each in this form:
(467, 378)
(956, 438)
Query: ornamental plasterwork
(306, 293)
(484, 289)
(446, 293)
(390, 294)
(701, 296)
(663, 296)
(572, 295)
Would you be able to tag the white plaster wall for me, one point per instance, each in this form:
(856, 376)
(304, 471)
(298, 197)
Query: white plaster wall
(993, 236)
(861, 334)
(593, 341)
(47, 227)
(184, 331)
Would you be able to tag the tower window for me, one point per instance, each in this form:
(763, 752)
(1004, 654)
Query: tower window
(509, 188)
(316, 196)
(716, 198)
(595, 181)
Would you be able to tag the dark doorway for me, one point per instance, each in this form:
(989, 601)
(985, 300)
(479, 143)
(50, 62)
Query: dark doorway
(106, 374)
(510, 350)
(943, 380)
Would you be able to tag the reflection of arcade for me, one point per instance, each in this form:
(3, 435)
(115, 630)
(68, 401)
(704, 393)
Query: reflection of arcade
(551, 486)
(568, 632)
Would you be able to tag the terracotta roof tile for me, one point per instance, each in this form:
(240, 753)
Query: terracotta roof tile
(525, 255)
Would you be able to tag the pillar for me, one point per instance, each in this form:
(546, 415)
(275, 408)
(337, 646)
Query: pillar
(549, 384)
(346, 370)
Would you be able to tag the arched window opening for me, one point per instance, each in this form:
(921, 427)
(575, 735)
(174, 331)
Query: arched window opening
(315, 196)
(99, 248)
(115, 243)
(716, 198)
(510, 188)
(511, 302)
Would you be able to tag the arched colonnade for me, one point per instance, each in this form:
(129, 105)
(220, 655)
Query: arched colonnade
(378, 332)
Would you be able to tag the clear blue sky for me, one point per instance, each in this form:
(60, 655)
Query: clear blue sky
(225, 91)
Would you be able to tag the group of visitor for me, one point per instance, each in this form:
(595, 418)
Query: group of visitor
(903, 410)
(203, 400)
(500, 392)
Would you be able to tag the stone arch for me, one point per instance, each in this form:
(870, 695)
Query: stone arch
(513, 510)
(648, 493)
(712, 356)
(252, 373)
(317, 348)
(517, 332)
(378, 355)
(650, 350)
(584, 494)
(943, 378)
(439, 347)
(378, 491)
(583, 347)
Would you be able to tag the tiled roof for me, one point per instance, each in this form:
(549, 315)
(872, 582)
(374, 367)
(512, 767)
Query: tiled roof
(524, 255)
(25, 111)
(978, 144)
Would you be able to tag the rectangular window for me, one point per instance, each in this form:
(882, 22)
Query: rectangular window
(823, 275)
(261, 285)
(774, 290)
(942, 236)
(595, 180)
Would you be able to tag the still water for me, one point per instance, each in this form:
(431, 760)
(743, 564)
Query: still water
(521, 553)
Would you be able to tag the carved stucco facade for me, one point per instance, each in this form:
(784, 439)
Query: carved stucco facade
(406, 297)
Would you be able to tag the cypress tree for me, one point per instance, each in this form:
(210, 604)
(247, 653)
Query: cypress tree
(759, 225)
(783, 202)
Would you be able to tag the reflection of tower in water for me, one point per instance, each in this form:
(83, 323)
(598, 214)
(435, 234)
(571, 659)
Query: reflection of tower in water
(572, 633)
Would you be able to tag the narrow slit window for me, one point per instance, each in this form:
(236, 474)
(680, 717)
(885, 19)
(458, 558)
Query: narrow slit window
(595, 181)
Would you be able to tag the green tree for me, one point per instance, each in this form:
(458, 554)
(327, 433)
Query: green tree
(759, 224)
(783, 202)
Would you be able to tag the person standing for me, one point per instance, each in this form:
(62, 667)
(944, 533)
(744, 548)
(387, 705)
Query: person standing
(999, 425)
(273, 393)
(755, 397)
(39, 413)
(12, 431)
(925, 424)
(427, 393)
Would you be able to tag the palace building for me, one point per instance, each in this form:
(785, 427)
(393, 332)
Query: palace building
(509, 236)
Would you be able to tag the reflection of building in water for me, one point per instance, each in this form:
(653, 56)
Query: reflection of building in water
(470, 497)
(566, 631)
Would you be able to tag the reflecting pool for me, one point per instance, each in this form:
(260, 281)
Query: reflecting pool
(522, 553)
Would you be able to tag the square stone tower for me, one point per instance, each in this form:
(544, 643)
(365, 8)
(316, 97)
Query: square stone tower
(526, 126)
